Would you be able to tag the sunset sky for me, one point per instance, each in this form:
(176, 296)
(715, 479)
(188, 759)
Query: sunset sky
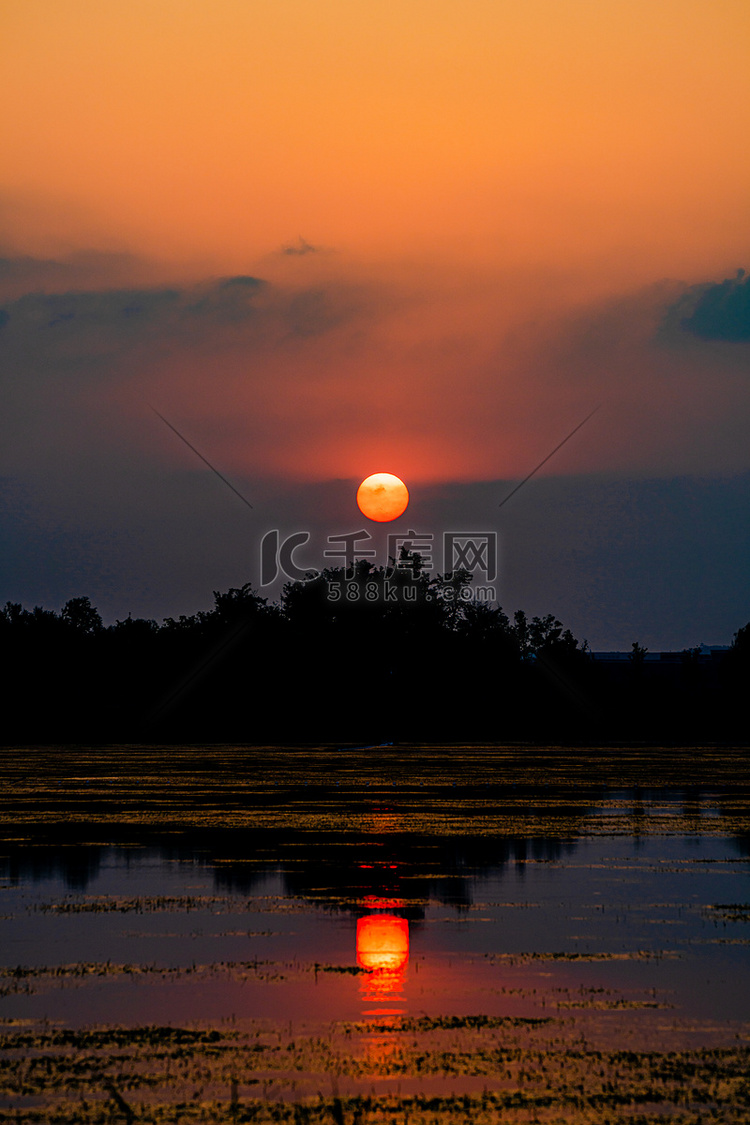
(326, 238)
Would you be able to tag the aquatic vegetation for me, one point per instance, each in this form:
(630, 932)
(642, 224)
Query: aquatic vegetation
(582, 888)
(166, 1074)
(731, 911)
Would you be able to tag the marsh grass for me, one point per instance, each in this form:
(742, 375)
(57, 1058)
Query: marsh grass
(167, 1074)
(442, 791)
(556, 1068)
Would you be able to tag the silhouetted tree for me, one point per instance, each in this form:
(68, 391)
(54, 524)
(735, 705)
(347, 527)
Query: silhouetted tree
(356, 653)
(80, 615)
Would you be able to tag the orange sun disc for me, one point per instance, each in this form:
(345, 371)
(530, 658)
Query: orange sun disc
(382, 497)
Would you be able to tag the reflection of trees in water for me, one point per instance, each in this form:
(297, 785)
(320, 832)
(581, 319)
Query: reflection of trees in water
(338, 874)
(334, 870)
(77, 864)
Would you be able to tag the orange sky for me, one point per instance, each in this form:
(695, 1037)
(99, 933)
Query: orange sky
(495, 192)
(602, 136)
(460, 225)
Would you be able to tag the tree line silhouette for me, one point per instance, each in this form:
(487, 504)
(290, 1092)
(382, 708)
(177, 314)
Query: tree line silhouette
(357, 654)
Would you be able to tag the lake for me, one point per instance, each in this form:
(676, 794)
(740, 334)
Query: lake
(375, 934)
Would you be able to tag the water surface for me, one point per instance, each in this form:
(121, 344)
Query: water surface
(354, 928)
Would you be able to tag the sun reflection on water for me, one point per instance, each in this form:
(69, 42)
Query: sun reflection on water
(383, 949)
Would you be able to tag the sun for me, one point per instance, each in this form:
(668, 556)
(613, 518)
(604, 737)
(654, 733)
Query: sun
(382, 497)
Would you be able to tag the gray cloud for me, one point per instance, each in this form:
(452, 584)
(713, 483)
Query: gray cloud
(110, 320)
(242, 363)
(88, 269)
(300, 247)
(115, 313)
(715, 311)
